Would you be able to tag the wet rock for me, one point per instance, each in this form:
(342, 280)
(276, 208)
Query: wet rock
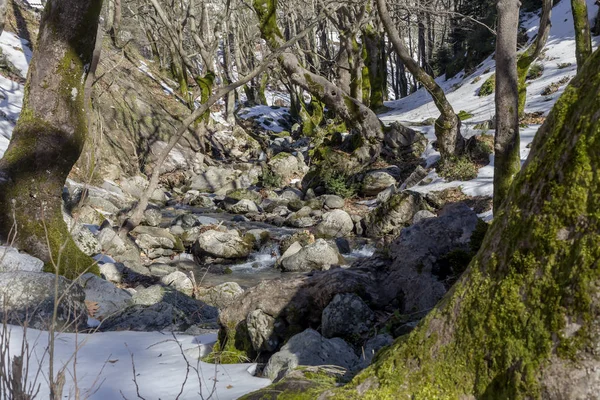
(375, 182)
(319, 255)
(336, 223)
(310, 349)
(346, 316)
(11, 260)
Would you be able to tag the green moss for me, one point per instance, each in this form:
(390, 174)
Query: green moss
(266, 10)
(488, 86)
(457, 168)
(464, 115)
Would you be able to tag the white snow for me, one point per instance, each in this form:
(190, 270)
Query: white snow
(462, 92)
(104, 368)
(266, 116)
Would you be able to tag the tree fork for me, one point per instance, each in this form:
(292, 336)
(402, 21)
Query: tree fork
(49, 137)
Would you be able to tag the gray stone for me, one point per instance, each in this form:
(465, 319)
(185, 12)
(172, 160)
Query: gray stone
(260, 326)
(221, 245)
(375, 182)
(336, 223)
(372, 346)
(421, 215)
(291, 194)
(393, 215)
(235, 144)
(11, 260)
(220, 296)
(121, 250)
(332, 201)
(286, 166)
(134, 186)
(318, 255)
(243, 206)
(161, 270)
(346, 316)
(385, 194)
(179, 281)
(109, 298)
(310, 349)
(112, 272)
(30, 296)
(152, 216)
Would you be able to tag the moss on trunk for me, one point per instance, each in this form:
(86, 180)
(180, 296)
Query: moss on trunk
(49, 137)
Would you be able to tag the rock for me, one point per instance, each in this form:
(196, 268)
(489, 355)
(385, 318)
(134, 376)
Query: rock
(385, 194)
(109, 298)
(243, 207)
(347, 316)
(83, 237)
(111, 272)
(393, 215)
(295, 205)
(134, 186)
(403, 143)
(121, 250)
(332, 201)
(100, 203)
(88, 215)
(220, 296)
(161, 270)
(415, 177)
(195, 199)
(296, 220)
(179, 281)
(11, 260)
(235, 144)
(421, 215)
(243, 194)
(287, 166)
(319, 255)
(261, 236)
(336, 223)
(221, 179)
(290, 251)
(372, 346)
(310, 349)
(260, 326)
(30, 296)
(218, 244)
(160, 308)
(291, 194)
(343, 245)
(303, 237)
(156, 242)
(152, 216)
(375, 182)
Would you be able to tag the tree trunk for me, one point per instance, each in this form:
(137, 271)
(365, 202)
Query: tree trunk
(3, 6)
(532, 53)
(447, 126)
(583, 38)
(355, 113)
(524, 319)
(49, 137)
(507, 160)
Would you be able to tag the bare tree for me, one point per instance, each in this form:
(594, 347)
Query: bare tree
(583, 38)
(507, 160)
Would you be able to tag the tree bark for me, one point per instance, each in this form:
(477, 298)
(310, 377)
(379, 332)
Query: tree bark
(583, 38)
(507, 160)
(49, 137)
(447, 126)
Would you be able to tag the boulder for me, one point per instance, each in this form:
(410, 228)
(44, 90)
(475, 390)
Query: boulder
(221, 179)
(152, 216)
(156, 242)
(112, 272)
(404, 143)
(421, 215)
(346, 316)
(260, 327)
(220, 296)
(235, 144)
(122, 250)
(336, 223)
(30, 296)
(287, 166)
(318, 255)
(332, 201)
(11, 260)
(243, 206)
(228, 245)
(310, 349)
(393, 215)
(375, 182)
(179, 281)
(134, 186)
(108, 298)
(372, 346)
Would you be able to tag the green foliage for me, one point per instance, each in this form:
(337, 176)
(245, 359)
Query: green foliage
(464, 115)
(535, 71)
(337, 183)
(488, 86)
(270, 179)
(227, 354)
(457, 168)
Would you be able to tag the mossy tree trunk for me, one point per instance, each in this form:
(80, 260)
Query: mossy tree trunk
(583, 38)
(532, 52)
(49, 136)
(447, 126)
(352, 111)
(376, 66)
(507, 160)
(524, 319)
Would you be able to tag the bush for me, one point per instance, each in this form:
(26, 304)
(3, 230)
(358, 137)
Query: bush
(337, 183)
(488, 86)
(535, 71)
(270, 180)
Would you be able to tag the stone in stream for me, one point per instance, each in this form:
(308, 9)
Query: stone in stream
(336, 223)
(179, 281)
(309, 348)
(318, 255)
(243, 206)
(228, 245)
